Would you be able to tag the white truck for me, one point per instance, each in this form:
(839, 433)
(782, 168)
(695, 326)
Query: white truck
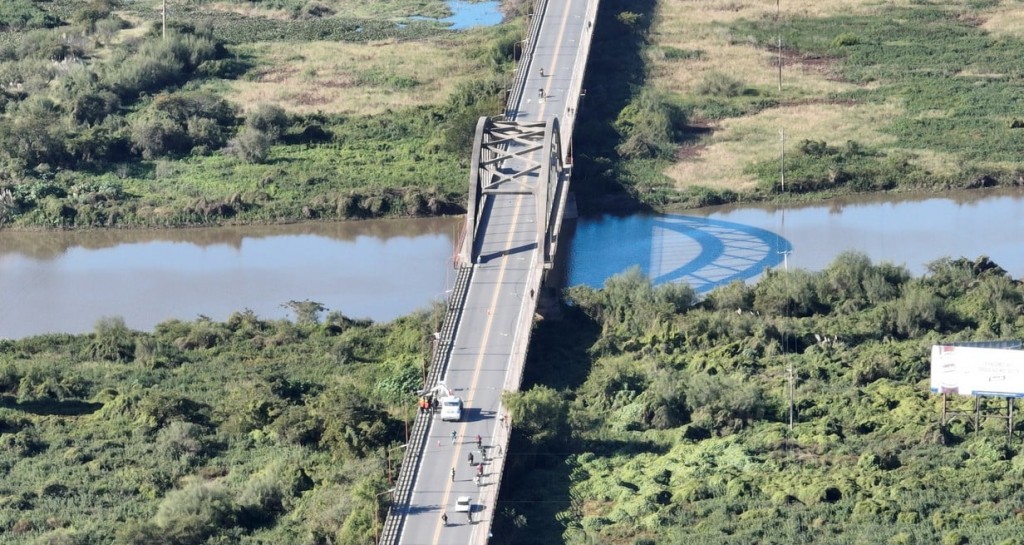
(451, 408)
(449, 403)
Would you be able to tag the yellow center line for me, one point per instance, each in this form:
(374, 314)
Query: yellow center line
(492, 310)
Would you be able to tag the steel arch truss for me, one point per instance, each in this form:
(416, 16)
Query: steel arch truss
(517, 158)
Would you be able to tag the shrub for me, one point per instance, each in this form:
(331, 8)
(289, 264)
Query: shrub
(250, 146)
(157, 135)
(720, 85)
(724, 403)
(193, 513)
(34, 134)
(181, 440)
(649, 125)
(269, 119)
(112, 341)
(24, 14)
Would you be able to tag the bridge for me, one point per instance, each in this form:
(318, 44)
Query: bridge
(518, 185)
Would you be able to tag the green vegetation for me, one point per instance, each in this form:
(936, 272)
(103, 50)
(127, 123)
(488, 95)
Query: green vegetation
(957, 83)
(925, 96)
(247, 431)
(104, 123)
(675, 413)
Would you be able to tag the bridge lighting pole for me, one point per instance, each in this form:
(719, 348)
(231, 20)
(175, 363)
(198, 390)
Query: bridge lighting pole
(387, 461)
(376, 515)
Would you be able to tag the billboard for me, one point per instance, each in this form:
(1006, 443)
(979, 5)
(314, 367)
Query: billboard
(969, 370)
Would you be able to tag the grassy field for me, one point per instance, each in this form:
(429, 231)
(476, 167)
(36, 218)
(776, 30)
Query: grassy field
(932, 86)
(372, 110)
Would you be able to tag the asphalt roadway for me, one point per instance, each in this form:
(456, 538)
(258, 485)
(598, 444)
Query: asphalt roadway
(495, 303)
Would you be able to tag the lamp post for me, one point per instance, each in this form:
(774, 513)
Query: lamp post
(387, 461)
(376, 515)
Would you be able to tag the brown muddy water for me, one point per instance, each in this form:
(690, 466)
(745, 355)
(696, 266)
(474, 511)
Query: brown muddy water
(382, 269)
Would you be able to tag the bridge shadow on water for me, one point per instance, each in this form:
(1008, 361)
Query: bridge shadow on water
(702, 252)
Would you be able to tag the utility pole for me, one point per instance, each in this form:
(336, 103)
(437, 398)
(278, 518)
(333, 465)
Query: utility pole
(782, 158)
(780, 63)
(789, 368)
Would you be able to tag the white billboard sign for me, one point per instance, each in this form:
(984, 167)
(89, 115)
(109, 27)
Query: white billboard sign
(968, 370)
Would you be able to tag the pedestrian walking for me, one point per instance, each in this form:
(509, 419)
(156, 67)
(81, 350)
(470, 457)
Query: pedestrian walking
(444, 519)
(480, 470)
(540, 93)
(453, 474)
(453, 436)
(470, 458)
(479, 441)
(469, 516)
(476, 480)
(542, 72)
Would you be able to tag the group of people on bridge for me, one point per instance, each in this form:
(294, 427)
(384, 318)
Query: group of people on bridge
(428, 404)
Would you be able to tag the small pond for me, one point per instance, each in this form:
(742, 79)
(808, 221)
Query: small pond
(470, 14)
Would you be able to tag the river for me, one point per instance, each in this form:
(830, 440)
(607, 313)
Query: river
(382, 269)
(65, 281)
(908, 230)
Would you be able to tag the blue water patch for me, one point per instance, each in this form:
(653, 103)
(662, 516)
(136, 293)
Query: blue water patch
(469, 14)
(472, 14)
(702, 252)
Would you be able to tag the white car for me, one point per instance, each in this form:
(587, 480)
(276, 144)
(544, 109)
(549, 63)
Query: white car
(463, 505)
(451, 409)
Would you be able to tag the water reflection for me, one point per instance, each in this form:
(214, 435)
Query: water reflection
(909, 230)
(468, 14)
(66, 281)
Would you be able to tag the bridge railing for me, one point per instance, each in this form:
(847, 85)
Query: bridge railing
(519, 79)
(568, 122)
(443, 344)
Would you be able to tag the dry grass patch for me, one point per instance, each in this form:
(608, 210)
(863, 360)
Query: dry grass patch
(1005, 20)
(752, 66)
(249, 10)
(942, 164)
(138, 27)
(349, 78)
(699, 25)
(680, 14)
(738, 142)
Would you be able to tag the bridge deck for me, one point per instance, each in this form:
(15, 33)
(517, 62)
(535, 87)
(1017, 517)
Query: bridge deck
(488, 348)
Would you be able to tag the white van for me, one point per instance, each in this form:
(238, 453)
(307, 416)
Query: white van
(451, 409)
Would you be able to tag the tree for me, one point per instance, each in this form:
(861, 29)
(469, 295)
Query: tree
(541, 413)
(306, 312)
